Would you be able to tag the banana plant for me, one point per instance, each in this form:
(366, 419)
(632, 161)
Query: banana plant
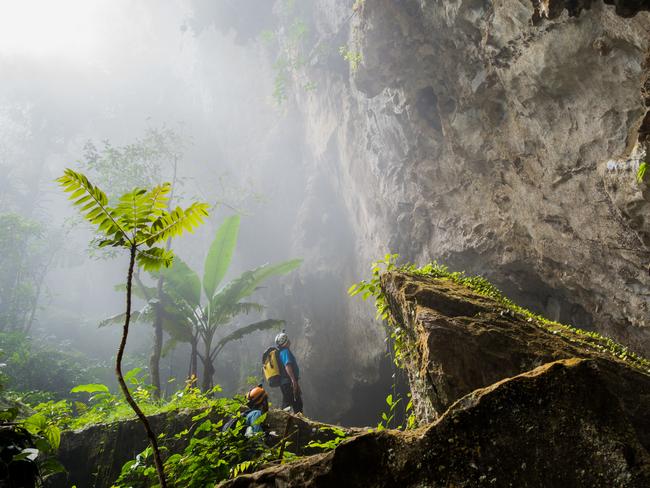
(202, 307)
(139, 223)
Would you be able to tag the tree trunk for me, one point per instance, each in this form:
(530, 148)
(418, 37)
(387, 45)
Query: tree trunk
(208, 369)
(194, 359)
(156, 349)
(120, 378)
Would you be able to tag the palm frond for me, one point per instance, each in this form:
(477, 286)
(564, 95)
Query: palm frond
(94, 207)
(244, 331)
(227, 313)
(139, 290)
(171, 224)
(267, 271)
(154, 258)
(220, 254)
(178, 328)
(144, 315)
(182, 283)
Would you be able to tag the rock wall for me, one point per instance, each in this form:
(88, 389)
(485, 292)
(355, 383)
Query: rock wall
(500, 138)
(457, 340)
(514, 402)
(523, 431)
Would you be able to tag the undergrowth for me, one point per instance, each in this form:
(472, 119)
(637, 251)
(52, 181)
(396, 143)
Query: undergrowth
(102, 406)
(212, 452)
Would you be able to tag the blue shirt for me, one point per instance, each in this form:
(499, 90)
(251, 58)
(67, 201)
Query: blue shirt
(251, 417)
(287, 357)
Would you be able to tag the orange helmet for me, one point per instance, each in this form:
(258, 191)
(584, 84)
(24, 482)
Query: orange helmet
(256, 396)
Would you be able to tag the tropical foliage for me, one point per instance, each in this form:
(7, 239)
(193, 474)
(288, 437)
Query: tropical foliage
(140, 163)
(139, 222)
(196, 310)
(26, 253)
(36, 367)
(27, 448)
(94, 403)
(212, 455)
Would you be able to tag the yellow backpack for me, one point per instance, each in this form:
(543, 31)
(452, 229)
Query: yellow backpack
(271, 366)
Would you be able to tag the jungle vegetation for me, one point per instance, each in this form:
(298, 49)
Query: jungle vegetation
(138, 223)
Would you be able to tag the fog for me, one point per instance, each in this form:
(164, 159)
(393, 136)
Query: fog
(112, 73)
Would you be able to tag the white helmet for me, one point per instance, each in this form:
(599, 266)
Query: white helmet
(281, 339)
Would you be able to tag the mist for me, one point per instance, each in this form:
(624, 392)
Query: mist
(79, 77)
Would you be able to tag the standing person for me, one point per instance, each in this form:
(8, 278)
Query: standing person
(291, 394)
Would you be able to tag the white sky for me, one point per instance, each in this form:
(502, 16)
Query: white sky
(38, 28)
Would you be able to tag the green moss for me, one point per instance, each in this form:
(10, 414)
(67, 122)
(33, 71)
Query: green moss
(481, 286)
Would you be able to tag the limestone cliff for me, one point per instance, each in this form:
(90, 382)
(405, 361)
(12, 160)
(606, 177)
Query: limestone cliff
(500, 138)
(458, 340)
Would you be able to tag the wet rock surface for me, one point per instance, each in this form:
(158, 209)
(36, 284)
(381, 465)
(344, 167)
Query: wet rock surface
(460, 340)
(568, 423)
(481, 135)
(514, 405)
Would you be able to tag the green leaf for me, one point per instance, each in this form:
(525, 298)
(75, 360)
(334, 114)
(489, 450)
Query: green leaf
(183, 282)
(155, 258)
(157, 199)
(53, 436)
(36, 423)
(136, 315)
(172, 224)
(178, 325)
(220, 255)
(640, 175)
(9, 414)
(93, 201)
(51, 466)
(90, 388)
(248, 329)
(132, 375)
(267, 271)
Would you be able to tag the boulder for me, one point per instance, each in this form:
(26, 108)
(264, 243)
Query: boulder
(460, 340)
(504, 398)
(569, 423)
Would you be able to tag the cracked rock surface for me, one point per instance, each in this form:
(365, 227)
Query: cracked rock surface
(555, 411)
(499, 138)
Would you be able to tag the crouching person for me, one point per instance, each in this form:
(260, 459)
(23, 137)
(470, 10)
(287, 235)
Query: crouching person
(258, 405)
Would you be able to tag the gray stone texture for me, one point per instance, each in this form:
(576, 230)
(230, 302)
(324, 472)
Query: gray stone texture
(499, 138)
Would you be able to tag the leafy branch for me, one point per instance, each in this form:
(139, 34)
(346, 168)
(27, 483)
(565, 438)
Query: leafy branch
(137, 223)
